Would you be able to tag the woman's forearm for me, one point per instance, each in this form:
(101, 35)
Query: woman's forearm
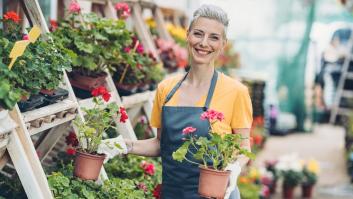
(245, 144)
(149, 147)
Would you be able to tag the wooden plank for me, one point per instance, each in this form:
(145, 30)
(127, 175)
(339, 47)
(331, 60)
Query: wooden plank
(24, 168)
(56, 123)
(130, 101)
(3, 160)
(48, 110)
(161, 25)
(36, 15)
(30, 154)
(141, 29)
(50, 140)
(109, 10)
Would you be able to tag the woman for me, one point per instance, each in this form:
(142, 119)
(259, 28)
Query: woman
(180, 100)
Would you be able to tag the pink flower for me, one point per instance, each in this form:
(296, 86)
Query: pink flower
(25, 37)
(127, 49)
(142, 186)
(265, 191)
(212, 115)
(140, 49)
(74, 7)
(188, 130)
(123, 10)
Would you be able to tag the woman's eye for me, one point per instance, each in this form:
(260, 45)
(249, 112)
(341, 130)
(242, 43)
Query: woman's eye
(197, 34)
(214, 38)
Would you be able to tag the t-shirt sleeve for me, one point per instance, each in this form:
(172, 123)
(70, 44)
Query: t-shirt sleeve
(156, 117)
(242, 110)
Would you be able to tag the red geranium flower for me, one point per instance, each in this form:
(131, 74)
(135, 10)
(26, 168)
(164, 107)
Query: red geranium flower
(140, 49)
(101, 90)
(71, 139)
(53, 25)
(148, 168)
(123, 115)
(70, 151)
(11, 15)
(157, 191)
(106, 96)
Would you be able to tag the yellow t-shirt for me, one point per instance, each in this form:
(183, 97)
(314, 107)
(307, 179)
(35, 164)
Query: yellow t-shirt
(230, 97)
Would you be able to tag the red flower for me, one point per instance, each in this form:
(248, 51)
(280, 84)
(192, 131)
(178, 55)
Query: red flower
(258, 139)
(123, 115)
(157, 191)
(25, 37)
(71, 139)
(188, 130)
(101, 90)
(11, 15)
(53, 25)
(70, 151)
(74, 7)
(106, 96)
(148, 168)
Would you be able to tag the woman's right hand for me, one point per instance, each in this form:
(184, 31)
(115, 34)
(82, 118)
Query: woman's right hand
(112, 147)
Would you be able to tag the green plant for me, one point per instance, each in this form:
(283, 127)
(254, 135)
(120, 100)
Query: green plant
(96, 43)
(291, 178)
(249, 190)
(217, 151)
(41, 65)
(309, 178)
(97, 120)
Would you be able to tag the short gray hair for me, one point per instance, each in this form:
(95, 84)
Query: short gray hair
(211, 12)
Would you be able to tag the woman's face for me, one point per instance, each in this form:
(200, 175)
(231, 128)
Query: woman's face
(205, 40)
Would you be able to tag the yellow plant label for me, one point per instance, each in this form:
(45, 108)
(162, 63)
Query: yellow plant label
(17, 50)
(34, 33)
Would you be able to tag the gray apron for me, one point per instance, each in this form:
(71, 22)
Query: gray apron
(180, 180)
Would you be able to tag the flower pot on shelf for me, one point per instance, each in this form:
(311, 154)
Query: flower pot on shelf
(35, 101)
(288, 191)
(85, 82)
(213, 183)
(88, 166)
(307, 191)
(126, 89)
(52, 96)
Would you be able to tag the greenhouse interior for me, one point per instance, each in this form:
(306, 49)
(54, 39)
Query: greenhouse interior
(263, 105)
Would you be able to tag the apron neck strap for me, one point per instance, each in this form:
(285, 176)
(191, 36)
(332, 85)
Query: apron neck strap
(210, 91)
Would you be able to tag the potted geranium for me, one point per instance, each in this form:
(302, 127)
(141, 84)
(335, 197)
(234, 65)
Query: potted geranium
(310, 171)
(212, 154)
(90, 133)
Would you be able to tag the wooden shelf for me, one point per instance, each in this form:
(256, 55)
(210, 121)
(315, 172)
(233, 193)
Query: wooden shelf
(344, 111)
(132, 100)
(48, 110)
(46, 126)
(350, 75)
(347, 94)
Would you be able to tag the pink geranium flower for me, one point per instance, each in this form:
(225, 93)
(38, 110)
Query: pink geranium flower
(74, 7)
(123, 10)
(188, 130)
(212, 115)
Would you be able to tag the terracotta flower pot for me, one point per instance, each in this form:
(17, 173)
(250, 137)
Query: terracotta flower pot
(87, 83)
(307, 191)
(88, 166)
(213, 183)
(288, 192)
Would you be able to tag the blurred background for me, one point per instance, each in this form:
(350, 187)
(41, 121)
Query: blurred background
(295, 56)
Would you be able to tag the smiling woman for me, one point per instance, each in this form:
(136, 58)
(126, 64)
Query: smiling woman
(180, 100)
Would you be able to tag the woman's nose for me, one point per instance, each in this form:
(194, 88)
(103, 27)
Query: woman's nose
(204, 41)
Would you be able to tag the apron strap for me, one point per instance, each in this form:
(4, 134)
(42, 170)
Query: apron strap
(209, 95)
(176, 87)
(211, 90)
